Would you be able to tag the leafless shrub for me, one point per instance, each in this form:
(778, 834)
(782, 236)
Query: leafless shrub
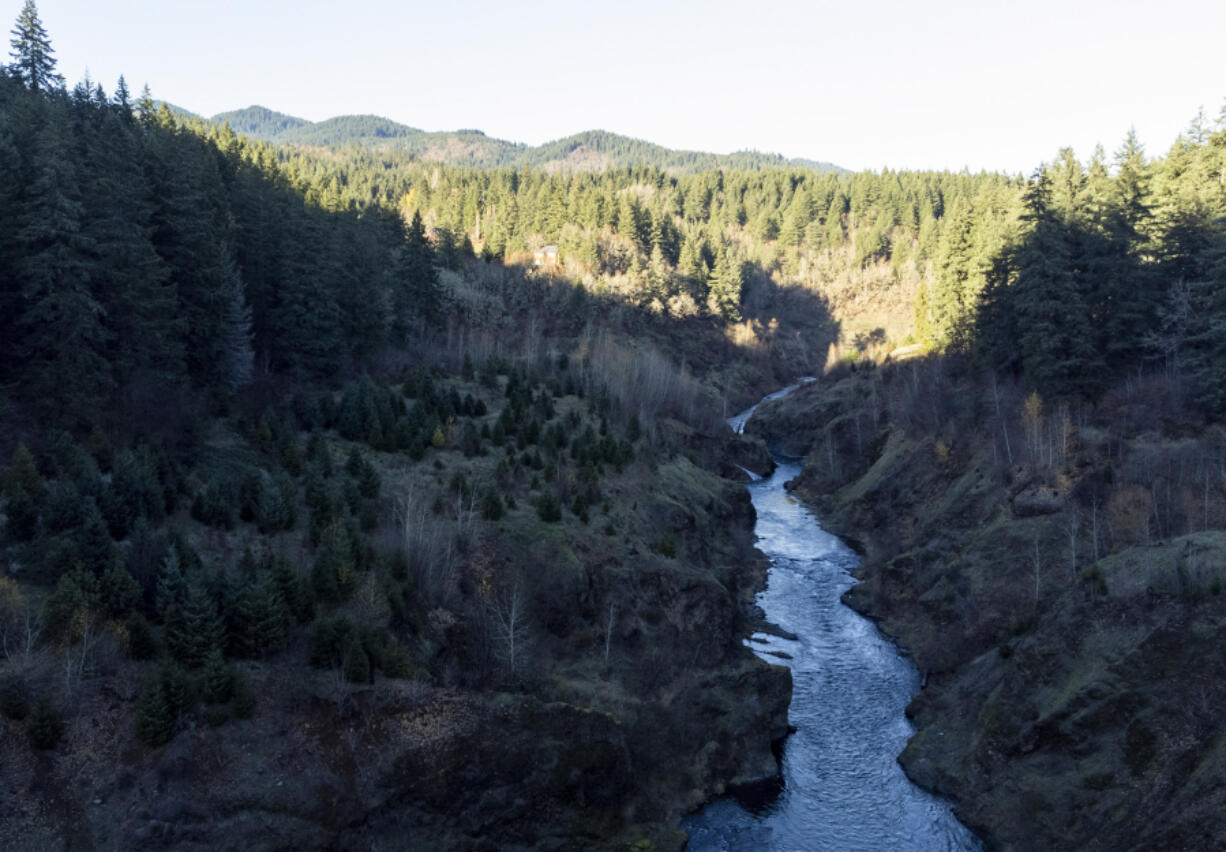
(429, 545)
(647, 382)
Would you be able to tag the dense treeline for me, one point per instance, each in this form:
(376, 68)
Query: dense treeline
(140, 255)
(681, 245)
(1126, 248)
(143, 254)
(1111, 268)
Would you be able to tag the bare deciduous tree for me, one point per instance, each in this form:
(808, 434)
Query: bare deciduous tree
(610, 620)
(512, 625)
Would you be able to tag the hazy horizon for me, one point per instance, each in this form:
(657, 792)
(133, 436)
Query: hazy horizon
(883, 85)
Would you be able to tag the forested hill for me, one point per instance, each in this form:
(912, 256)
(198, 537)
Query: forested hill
(593, 150)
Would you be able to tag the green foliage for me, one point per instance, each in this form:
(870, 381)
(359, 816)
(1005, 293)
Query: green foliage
(294, 591)
(548, 509)
(33, 59)
(217, 504)
(329, 638)
(21, 518)
(45, 726)
(356, 661)
(23, 477)
(194, 628)
(171, 584)
(217, 679)
(14, 698)
(262, 617)
(334, 571)
(167, 696)
(142, 643)
(95, 549)
(120, 592)
(491, 504)
(135, 492)
(78, 594)
(276, 509)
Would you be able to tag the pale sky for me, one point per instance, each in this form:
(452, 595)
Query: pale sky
(866, 85)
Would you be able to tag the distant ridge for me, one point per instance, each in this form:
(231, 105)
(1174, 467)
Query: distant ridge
(589, 150)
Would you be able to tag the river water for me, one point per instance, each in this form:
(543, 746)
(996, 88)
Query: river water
(842, 787)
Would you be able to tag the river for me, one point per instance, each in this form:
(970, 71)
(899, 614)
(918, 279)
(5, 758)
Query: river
(842, 787)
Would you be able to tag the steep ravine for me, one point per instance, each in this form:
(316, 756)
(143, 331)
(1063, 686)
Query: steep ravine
(594, 750)
(842, 787)
(1062, 709)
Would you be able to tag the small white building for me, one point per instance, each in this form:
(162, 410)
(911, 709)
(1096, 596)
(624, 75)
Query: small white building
(545, 256)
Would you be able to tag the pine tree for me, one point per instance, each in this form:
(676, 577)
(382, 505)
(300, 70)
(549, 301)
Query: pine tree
(234, 336)
(97, 550)
(123, 98)
(357, 663)
(154, 722)
(950, 301)
(217, 679)
(415, 286)
(60, 332)
(261, 618)
(333, 572)
(120, 592)
(23, 476)
(195, 628)
(1053, 334)
(33, 58)
(171, 585)
(167, 697)
(132, 282)
(724, 292)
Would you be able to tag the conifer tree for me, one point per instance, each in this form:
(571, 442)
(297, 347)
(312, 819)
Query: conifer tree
(261, 618)
(60, 331)
(1053, 337)
(33, 58)
(415, 287)
(357, 662)
(171, 585)
(724, 293)
(195, 628)
(234, 334)
(123, 98)
(154, 722)
(23, 477)
(217, 679)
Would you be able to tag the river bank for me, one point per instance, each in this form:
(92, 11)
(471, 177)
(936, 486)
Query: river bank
(1067, 643)
(841, 786)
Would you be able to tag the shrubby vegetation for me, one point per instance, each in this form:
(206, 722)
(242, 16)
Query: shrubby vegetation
(277, 409)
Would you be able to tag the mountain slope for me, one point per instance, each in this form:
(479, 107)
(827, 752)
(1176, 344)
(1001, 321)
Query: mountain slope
(260, 122)
(592, 149)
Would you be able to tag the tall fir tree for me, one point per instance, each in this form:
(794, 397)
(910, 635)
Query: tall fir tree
(61, 337)
(33, 59)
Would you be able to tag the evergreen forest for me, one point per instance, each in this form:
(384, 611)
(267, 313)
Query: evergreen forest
(307, 455)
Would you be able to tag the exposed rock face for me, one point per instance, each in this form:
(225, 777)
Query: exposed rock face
(1037, 500)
